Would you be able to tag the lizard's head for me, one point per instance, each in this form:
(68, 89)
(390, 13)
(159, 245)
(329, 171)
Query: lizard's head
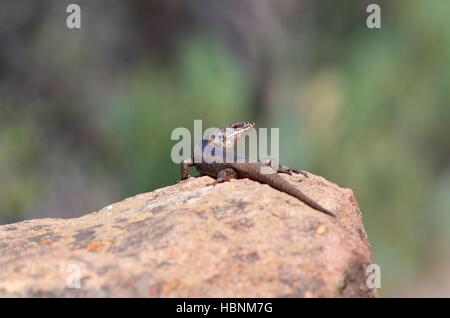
(228, 135)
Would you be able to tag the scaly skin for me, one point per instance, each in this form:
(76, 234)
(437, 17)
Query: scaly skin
(224, 171)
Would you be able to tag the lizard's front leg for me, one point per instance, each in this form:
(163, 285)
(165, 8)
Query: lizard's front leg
(184, 168)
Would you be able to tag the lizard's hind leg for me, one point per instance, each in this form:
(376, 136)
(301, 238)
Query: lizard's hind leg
(284, 169)
(290, 171)
(226, 175)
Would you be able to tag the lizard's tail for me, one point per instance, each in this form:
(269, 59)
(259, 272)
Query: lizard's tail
(279, 183)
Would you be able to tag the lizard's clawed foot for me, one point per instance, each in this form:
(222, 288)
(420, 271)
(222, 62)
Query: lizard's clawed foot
(284, 169)
(303, 173)
(217, 181)
(287, 170)
(290, 171)
(225, 175)
(185, 180)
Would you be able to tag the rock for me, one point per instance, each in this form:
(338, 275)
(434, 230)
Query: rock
(192, 239)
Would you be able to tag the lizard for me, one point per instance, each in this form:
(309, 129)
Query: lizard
(210, 158)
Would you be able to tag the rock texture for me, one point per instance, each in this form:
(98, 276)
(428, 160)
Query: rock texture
(192, 239)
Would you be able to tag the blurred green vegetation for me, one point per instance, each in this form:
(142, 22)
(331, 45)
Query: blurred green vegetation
(20, 181)
(367, 109)
(204, 83)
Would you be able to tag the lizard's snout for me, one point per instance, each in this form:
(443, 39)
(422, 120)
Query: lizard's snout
(243, 124)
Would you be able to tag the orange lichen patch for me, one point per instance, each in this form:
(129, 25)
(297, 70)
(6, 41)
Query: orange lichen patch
(170, 286)
(343, 216)
(307, 268)
(94, 246)
(47, 241)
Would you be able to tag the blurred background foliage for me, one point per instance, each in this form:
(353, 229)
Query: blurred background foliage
(86, 115)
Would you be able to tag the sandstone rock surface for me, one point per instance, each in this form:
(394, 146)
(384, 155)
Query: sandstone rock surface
(192, 239)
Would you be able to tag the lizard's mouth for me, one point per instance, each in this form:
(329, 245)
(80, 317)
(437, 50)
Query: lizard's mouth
(237, 130)
(229, 134)
(234, 131)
